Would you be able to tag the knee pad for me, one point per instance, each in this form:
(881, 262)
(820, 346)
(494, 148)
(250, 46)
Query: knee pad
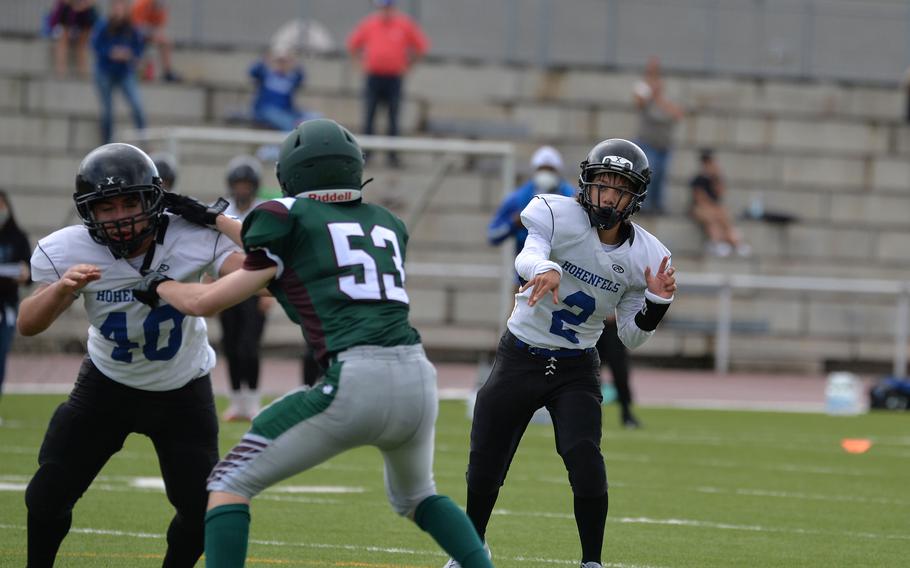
(587, 472)
(50, 493)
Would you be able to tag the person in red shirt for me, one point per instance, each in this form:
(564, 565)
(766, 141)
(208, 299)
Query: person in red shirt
(387, 43)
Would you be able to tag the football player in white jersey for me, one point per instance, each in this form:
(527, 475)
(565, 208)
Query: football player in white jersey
(583, 260)
(147, 370)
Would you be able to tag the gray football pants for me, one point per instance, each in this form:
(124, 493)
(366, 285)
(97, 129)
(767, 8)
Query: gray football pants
(370, 396)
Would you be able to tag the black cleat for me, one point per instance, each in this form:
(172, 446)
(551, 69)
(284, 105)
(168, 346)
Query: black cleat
(630, 423)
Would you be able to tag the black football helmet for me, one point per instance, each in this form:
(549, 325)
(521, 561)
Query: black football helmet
(166, 164)
(244, 168)
(114, 170)
(621, 157)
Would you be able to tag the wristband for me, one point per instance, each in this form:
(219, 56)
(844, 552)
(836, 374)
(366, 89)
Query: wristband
(650, 315)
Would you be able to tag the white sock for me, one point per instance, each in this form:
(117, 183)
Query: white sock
(251, 406)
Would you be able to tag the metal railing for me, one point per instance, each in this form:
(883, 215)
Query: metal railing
(726, 285)
(175, 136)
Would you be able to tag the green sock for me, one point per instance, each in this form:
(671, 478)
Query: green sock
(227, 529)
(451, 528)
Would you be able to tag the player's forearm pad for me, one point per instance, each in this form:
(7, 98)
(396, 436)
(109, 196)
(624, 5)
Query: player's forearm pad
(650, 315)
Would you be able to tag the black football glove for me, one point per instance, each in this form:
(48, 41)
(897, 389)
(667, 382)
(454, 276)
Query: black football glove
(147, 290)
(194, 210)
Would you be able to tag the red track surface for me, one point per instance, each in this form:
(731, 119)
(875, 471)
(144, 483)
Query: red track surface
(651, 387)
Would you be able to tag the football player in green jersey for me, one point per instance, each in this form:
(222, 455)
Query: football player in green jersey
(336, 265)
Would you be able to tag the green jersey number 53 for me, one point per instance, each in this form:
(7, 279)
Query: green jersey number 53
(376, 285)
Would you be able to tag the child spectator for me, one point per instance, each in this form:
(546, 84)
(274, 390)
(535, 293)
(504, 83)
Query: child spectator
(71, 20)
(278, 77)
(708, 209)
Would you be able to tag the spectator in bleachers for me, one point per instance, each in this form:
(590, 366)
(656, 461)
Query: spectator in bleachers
(905, 84)
(546, 164)
(69, 21)
(278, 76)
(708, 209)
(118, 48)
(150, 18)
(657, 117)
(14, 272)
(242, 324)
(387, 44)
(167, 169)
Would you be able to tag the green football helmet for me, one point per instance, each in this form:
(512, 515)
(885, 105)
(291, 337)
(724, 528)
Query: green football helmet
(321, 159)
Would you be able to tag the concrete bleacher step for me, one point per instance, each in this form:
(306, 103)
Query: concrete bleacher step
(835, 155)
(453, 81)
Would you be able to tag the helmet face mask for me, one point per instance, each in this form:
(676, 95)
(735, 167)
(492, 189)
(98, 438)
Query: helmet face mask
(119, 171)
(617, 157)
(607, 216)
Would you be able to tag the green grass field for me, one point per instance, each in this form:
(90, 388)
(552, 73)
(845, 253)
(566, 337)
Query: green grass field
(693, 489)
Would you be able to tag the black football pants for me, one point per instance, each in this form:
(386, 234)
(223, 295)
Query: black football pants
(91, 426)
(519, 384)
(241, 337)
(616, 356)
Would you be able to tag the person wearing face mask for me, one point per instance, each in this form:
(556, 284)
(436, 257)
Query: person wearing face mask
(15, 253)
(547, 166)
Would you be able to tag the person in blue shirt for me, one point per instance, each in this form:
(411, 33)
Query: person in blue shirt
(118, 47)
(277, 78)
(547, 166)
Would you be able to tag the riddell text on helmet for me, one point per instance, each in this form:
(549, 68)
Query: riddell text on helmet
(331, 196)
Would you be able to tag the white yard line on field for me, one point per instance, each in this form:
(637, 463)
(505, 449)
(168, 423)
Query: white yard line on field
(326, 546)
(803, 496)
(712, 525)
(281, 493)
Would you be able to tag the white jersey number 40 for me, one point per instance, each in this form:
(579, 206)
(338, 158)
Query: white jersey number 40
(115, 329)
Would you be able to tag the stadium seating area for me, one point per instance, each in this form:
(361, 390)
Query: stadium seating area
(833, 155)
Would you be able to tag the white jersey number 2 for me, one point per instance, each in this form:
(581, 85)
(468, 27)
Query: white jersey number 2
(115, 329)
(372, 287)
(558, 323)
